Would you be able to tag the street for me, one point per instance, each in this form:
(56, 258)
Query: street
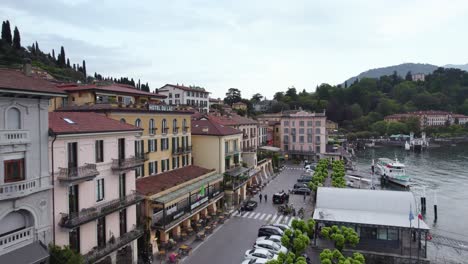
(230, 241)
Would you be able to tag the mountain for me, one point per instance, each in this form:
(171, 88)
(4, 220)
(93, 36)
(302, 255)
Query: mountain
(463, 67)
(401, 70)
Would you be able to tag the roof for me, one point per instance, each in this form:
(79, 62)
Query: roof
(16, 80)
(185, 88)
(85, 122)
(113, 87)
(161, 108)
(207, 126)
(233, 120)
(154, 184)
(366, 207)
(30, 253)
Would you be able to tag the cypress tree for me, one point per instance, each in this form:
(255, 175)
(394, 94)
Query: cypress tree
(53, 54)
(62, 56)
(3, 31)
(84, 69)
(68, 63)
(8, 37)
(37, 47)
(16, 39)
(74, 66)
(33, 48)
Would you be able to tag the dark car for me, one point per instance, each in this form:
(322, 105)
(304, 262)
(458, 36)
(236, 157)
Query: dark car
(300, 185)
(270, 230)
(302, 190)
(249, 205)
(281, 197)
(305, 179)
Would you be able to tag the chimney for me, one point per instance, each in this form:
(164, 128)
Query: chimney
(27, 68)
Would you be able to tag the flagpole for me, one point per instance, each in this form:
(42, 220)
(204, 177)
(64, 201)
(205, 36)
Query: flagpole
(411, 232)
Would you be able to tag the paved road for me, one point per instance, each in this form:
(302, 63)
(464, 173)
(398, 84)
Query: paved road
(230, 241)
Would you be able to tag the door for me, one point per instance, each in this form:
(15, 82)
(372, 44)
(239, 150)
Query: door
(122, 185)
(121, 148)
(72, 158)
(73, 198)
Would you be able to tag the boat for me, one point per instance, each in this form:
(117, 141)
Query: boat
(393, 171)
(407, 146)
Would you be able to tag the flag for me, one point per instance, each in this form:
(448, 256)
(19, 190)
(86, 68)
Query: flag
(202, 190)
(411, 216)
(420, 216)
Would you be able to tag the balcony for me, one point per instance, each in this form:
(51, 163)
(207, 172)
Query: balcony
(16, 238)
(18, 189)
(164, 130)
(12, 137)
(110, 247)
(175, 130)
(78, 174)
(152, 131)
(89, 214)
(128, 163)
(245, 136)
(186, 149)
(185, 129)
(176, 151)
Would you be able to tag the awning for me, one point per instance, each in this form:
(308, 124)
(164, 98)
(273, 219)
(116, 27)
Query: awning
(269, 148)
(31, 254)
(236, 171)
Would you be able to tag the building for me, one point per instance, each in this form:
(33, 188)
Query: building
(176, 200)
(25, 183)
(214, 101)
(381, 219)
(94, 160)
(239, 106)
(430, 118)
(263, 106)
(182, 95)
(165, 137)
(418, 77)
(262, 135)
(332, 127)
(249, 128)
(304, 135)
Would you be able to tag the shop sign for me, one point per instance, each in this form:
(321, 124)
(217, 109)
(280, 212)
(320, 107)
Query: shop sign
(198, 203)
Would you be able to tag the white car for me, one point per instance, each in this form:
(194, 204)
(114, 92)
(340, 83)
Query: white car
(271, 246)
(273, 238)
(255, 261)
(259, 253)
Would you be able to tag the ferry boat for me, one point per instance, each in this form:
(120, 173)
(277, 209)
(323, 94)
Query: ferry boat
(393, 171)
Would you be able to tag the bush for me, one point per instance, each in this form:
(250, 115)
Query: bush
(65, 255)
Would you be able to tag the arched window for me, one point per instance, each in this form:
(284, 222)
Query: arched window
(123, 121)
(13, 118)
(138, 122)
(174, 126)
(184, 125)
(164, 126)
(152, 129)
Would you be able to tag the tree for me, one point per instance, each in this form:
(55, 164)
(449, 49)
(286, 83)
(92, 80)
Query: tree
(256, 98)
(37, 48)
(65, 255)
(356, 111)
(409, 76)
(232, 96)
(336, 257)
(84, 70)
(396, 128)
(6, 33)
(341, 236)
(61, 58)
(68, 63)
(379, 127)
(53, 54)
(16, 39)
(413, 124)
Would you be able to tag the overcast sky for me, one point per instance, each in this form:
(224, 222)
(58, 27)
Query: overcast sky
(256, 46)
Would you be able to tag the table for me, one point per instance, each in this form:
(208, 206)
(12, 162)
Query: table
(185, 250)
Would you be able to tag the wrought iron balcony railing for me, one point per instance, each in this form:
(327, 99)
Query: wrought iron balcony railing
(128, 163)
(81, 173)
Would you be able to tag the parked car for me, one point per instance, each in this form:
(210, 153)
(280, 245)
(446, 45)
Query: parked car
(282, 226)
(300, 185)
(309, 167)
(249, 205)
(304, 179)
(267, 230)
(255, 261)
(271, 246)
(259, 253)
(302, 190)
(273, 238)
(281, 197)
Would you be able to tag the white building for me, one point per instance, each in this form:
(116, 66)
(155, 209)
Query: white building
(25, 182)
(183, 95)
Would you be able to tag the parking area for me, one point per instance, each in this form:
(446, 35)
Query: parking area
(229, 242)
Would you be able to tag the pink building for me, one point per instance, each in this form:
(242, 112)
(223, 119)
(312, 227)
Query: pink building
(93, 163)
(303, 135)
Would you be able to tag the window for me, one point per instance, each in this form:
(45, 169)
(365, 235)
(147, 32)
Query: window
(286, 123)
(139, 148)
(309, 138)
(226, 147)
(138, 172)
(164, 165)
(164, 126)
(13, 118)
(122, 185)
(138, 122)
(170, 102)
(164, 143)
(184, 125)
(99, 190)
(301, 139)
(317, 131)
(99, 148)
(317, 139)
(152, 145)
(301, 123)
(301, 131)
(152, 129)
(236, 143)
(101, 232)
(293, 131)
(170, 95)
(153, 167)
(123, 121)
(175, 162)
(318, 123)
(317, 149)
(309, 123)
(14, 170)
(175, 129)
(73, 198)
(74, 239)
(177, 95)
(286, 139)
(123, 222)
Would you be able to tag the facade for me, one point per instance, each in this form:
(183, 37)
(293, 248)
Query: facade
(177, 200)
(304, 135)
(25, 182)
(418, 77)
(239, 106)
(262, 135)
(183, 95)
(165, 137)
(332, 127)
(93, 163)
(249, 128)
(263, 106)
(214, 101)
(430, 118)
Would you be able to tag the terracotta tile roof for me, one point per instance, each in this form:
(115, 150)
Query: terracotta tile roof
(154, 184)
(11, 79)
(114, 87)
(185, 88)
(116, 108)
(85, 122)
(207, 126)
(233, 120)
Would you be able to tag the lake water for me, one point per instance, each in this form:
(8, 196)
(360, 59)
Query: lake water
(443, 174)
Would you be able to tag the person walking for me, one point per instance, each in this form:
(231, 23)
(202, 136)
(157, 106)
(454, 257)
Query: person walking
(265, 198)
(260, 196)
(305, 196)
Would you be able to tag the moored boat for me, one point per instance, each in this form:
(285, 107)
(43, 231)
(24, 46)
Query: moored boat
(393, 171)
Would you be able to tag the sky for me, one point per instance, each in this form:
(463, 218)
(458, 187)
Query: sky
(255, 46)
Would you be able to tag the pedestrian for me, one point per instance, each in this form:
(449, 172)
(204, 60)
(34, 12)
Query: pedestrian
(265, 198)
(305, 196)
(260, 196)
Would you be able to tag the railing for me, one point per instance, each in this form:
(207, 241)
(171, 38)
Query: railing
(128, 163)
(300, 152)
(16, 238)
(245, 136)
(8, 137)
(78, 173)
(249, 149)
(152, 131)
(89, 214)
(175, 130)
(164, 131)
(186, 149)
(17, 189)
(123, 240)
(185, 129)
(142, 156)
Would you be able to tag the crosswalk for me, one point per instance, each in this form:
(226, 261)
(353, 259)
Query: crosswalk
(267, 218)
(294, 168)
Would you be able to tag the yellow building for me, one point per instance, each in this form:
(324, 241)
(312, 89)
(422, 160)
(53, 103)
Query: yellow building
(165, 142)
(239, 106)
